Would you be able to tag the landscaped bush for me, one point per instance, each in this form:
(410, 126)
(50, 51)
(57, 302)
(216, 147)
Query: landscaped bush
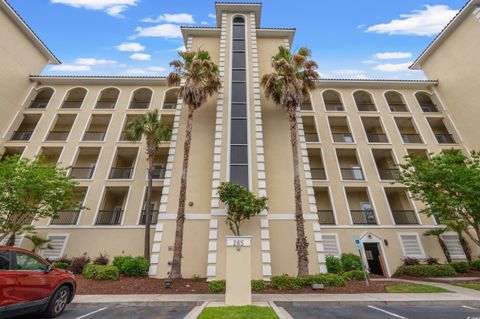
(196, 278)
(354, 275)
(101, 260)
(432, 261)
(285, 282)
(334, 265)
(476, 264)
(78, 263)
(426, 271)
(461, 266)
(64, 259)
(258, 285)
(217, 286)
(101, 272)
(131, 266)
(60, 265)
(410, 261)
(351, 262)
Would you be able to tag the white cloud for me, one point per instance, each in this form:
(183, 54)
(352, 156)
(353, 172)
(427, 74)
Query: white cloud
(347, 72)
(169, 31)
(156, 69)
(111, 7)
(92, 61)
(141, 57)
(172, 18)
(150, 71)
(361, 26)
(180, 48)
(212, 15)
(130, 47)
(392, 67)
(70, 68)
(393, 55)
(369, 62)
(204, 23)
(426, 22)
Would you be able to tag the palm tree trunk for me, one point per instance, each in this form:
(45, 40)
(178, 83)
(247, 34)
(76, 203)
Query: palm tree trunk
(176, 271)
(301, 244)
(148, 203)
(444, 248)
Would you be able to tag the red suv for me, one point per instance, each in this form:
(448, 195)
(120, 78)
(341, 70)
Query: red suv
(30, 284)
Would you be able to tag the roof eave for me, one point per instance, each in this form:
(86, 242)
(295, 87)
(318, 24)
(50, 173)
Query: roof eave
(238, 7)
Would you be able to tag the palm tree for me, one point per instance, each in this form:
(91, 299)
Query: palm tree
(150, 126)
(201, 80)
(437, 232)
(288, 85)
(39, 242)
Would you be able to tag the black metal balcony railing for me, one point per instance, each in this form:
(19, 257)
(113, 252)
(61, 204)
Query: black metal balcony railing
(139, 105)
(154, 213)
(66, 217)
(318, 173)
(82, 172)
(326, 217)
(400, 107)
(125, 137)
(94, 136)
(389, 174)
(306, 107)
(404, 217)
(334, 107)
(352, 174)
(21, 135)
(366, 107)
(121, 173)
(58, 135)
(445, 138)
(429, 108)
(377, 137)
(109, 217)
(39, 104)
(411, 138)
(72, 104)
(159, 172)
(363, 217)
(169, 106)
(311, 137)
(342, 137)
(105, 104)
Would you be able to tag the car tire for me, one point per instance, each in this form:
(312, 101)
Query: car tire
(58, 302)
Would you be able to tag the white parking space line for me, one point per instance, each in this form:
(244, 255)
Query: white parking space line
(91, 313)
(471, 308)
(387, 312)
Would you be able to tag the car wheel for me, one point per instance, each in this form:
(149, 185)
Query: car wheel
(58, 302)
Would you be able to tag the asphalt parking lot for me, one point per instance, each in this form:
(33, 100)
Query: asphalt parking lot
(383, 312)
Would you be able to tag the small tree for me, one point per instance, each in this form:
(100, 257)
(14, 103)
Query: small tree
(241, 205)
(31, 189)
(39, 242)
(437, 232)
(449, 185)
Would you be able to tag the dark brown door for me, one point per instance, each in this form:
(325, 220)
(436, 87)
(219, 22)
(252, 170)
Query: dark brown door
(372, 253)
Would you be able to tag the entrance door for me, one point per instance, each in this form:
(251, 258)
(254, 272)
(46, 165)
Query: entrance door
(372, 254)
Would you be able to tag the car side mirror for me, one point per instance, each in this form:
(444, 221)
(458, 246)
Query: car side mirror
(48, 269)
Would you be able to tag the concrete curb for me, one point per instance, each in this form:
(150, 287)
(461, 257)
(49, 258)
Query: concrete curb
(279, 311)
(473, 303)
(196, 311)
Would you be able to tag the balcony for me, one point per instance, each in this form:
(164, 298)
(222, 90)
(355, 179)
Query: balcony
(364, 101)
(109, 217)
(66, 217)
(352, 173)
(96, 136)
(74, 99)
(326, 217)
(400, 206)
(385, 164)
(62, 127)
(412, 138)
(125, 137)
(318, 173)
(324, 206)
(395, 102)
(108, 99)
(389, 174)
(139, 105)
(349, 165)
(154, 219)
(445, 138)
(426, 102)
(363, 217)
(377, 138)
(58, 136)
(97, 128)
(404, 217)
(121, 173)
(333, 101)
(26, 128)
(85, 163)
(124, 163)
(21, 135)
(374, 130)
(306, 106)
(82, 172)
(311, 137)
(42, 98)
(141, 99)
(359, 203)
(310, 129)
(342, 137)
(440, 130)
(169, 106)
(11, 151)
(51, 155)
(340, 129)
(159, 172)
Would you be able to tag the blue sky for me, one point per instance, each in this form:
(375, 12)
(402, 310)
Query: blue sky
(349, 39)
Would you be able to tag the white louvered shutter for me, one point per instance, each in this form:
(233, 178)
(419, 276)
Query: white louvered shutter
(412, 247)
(57, 242)
(18, 240)
(330, 245)
(453, 246)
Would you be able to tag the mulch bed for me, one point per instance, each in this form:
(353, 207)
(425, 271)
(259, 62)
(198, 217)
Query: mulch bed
(127, 285)
(472, 273)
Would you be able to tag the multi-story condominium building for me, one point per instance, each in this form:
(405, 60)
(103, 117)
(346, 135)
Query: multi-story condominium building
(353, 133)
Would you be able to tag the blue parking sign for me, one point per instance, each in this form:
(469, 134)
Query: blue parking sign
(356, 240)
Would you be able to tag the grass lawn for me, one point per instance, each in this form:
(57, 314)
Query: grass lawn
(467, 285)
(414, 288)
(246, 312)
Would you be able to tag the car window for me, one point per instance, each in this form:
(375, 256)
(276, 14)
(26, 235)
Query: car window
(4, 259)
(25, 261)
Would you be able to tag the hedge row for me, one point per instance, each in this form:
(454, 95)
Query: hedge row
(427, 271)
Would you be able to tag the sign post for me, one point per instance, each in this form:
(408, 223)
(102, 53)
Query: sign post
(359, 246)
(238, 272)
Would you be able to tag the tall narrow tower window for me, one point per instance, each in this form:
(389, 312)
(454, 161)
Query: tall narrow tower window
(239, 124)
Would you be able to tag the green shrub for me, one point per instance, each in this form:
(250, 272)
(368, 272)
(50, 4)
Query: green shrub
(217, 286)
(351, 262)
(354, 275)
(461, 266)
(101, 272)
(325, 279)
(334, 265)
(131, 266)
(196, 278)
(285, 282)
(476, 264)
(258, 285)
(60, 265)
(426, 271)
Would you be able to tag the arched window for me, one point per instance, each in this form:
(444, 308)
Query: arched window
(42, 98)
(364, 101)
(141, 99)
(395, 102)
(333, 101)
(426, 102)
(74, 98)
(170, 100)
(108, 99)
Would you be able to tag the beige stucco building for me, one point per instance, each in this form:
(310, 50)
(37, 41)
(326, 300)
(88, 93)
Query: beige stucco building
(352, 133)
